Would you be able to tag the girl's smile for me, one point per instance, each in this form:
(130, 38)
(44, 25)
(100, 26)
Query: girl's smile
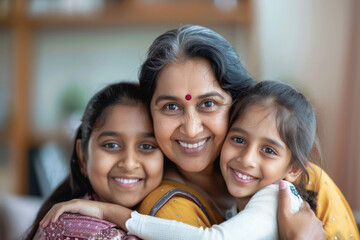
(243, 177)
(127, 182)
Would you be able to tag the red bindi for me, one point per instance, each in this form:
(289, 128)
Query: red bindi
(188, 97)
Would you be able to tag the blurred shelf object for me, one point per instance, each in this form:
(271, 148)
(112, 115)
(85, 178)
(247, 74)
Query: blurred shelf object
(24, 17)
(42, 13)
(5, 7)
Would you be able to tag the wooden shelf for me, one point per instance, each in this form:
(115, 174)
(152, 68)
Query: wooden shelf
(127, 12)
(5, 21)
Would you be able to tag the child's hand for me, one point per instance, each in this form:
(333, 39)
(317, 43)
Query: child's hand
(84, 207)
(301, 225)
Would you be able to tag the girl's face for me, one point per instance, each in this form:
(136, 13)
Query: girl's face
(190, 114)
(254, 155)
(123, 161)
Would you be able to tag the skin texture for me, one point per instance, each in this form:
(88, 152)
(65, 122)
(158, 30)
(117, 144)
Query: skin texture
(200, 121)
(123, 161)
(254, 155)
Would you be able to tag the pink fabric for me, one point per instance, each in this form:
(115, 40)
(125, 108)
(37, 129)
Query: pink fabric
(78, 227)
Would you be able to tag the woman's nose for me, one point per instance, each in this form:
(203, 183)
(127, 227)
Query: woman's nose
(192, 124)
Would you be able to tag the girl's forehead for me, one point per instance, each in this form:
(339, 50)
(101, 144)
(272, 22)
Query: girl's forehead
(260, 108)
(256, 113)
(121, 117)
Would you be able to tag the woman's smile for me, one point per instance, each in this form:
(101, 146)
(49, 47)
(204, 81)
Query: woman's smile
(193, 146)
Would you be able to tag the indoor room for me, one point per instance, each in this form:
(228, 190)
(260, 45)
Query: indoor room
(55, 55)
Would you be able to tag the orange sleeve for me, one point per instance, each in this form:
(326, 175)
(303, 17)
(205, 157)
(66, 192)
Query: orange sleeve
(332, 208)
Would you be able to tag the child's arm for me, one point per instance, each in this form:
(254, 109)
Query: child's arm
(257, 221)
(111, 212)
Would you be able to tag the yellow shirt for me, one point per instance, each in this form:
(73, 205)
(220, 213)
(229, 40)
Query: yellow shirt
(180, 207)
(331, 207)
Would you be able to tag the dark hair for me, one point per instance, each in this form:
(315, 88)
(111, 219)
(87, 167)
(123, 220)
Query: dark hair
(76, 184)
(193, 41)
(295, 119)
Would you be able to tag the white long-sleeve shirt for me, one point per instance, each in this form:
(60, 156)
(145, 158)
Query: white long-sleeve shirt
(257, 221)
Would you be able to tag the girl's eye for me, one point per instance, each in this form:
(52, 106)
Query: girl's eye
(269, 151)
(238, 140)
(147, 147)
(172, 107)
(111, 145)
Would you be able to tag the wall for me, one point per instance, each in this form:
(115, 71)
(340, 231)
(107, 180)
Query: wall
(307, 43)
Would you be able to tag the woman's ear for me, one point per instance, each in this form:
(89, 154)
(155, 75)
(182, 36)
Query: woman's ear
(293, 173)
(81, 157)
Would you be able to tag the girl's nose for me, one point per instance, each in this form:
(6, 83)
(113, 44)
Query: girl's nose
(248, 157)
(129, 160)
(192, 124)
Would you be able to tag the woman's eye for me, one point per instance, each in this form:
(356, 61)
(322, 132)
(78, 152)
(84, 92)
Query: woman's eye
(208, 104)
(238, 140)
(111, 145)
(172, 107)
(269, 151)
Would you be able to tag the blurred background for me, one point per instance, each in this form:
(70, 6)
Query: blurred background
(55, 54)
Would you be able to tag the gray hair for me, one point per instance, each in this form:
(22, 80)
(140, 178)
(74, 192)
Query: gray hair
(192, 41)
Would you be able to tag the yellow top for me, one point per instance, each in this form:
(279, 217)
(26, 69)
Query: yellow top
(331, 207)
(180, 207)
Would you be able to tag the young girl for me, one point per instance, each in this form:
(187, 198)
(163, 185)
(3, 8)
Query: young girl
(272, 130)
(115, 159)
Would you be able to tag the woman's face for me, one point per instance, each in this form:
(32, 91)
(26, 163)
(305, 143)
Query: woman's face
(190, 113)
(123, 162)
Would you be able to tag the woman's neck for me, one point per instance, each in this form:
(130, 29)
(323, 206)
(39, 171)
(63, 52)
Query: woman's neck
(209, 182)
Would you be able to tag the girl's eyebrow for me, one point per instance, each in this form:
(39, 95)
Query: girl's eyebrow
(168, 97)
(270, 140)
(238, 129)
(274, 142)
(108, 134)
(116, 134)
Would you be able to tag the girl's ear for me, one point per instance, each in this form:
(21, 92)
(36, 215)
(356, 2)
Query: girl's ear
(293, 173)
(81, 157)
